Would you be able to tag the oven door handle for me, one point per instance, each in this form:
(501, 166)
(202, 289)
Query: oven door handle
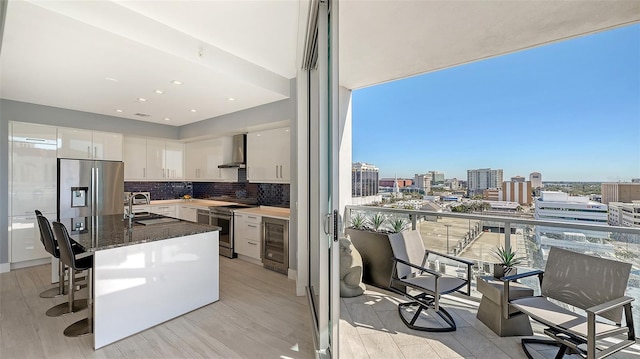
(220, 216)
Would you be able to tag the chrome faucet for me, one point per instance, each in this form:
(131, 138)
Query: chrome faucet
(129, 213)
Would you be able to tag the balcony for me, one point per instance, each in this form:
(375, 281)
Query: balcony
(370, 326)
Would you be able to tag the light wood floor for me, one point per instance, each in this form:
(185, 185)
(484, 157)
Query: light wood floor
(371, 328)
(258, 316)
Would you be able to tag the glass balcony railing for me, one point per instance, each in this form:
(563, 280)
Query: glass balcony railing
(474, 237)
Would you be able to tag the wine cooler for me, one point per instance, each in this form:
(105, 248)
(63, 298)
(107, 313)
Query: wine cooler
(275, 244)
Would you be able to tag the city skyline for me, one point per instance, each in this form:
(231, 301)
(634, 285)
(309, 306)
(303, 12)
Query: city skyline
(569, 110)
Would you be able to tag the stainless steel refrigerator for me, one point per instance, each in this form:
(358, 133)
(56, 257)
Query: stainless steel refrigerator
(89, 188)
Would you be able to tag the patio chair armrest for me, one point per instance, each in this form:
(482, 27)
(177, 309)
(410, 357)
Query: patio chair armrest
(508, 279)
(603, 307)
(457, 259)
(515, 277)
(423, 269)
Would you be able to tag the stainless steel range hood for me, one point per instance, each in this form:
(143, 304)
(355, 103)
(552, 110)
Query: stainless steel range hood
(239, 149)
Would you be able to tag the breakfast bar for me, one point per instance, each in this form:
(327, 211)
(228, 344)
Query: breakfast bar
(146, 271)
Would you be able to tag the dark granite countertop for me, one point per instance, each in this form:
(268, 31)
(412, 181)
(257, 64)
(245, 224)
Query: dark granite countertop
(103, 232)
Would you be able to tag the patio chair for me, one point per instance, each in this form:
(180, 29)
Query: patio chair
(409, 272)
(594, 285)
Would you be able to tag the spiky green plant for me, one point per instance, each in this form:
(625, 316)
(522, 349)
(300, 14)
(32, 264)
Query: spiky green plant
(506, 258)
(358, 221)
(376, 221)
(398, 224)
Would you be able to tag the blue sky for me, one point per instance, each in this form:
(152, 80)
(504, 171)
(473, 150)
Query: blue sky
(569, 110)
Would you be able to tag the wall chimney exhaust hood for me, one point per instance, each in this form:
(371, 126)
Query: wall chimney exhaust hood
(238, 151)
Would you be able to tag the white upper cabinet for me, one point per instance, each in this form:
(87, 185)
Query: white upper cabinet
(107, 146)
(174, 160)
(85, 144)
(150, 159)
(204, 157)
(268, 156)
(33, 169)
(135, 158)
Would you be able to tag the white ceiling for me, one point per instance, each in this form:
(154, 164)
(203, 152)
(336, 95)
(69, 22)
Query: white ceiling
(61, 53)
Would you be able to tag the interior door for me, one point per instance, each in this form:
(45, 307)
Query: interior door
(323, 290)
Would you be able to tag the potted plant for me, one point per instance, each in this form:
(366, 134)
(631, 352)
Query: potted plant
(370, 236)
(507, 261)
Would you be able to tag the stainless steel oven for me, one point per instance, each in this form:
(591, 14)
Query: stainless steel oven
(203, 216)
(222, 216)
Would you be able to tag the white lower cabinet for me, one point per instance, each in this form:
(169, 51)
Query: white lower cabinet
(247, 235)
(169, 210)
(188, 213)
(25, 238)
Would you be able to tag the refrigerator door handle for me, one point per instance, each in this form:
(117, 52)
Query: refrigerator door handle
(95, 182)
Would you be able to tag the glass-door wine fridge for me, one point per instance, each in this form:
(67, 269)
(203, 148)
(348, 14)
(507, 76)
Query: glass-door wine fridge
(275, 244)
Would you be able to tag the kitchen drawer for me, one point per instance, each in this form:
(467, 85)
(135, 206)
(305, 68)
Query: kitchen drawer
(253, 249)
(252, 218)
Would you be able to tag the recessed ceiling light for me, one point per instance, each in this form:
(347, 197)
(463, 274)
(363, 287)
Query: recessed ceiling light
(176, 82)
(192, 110)
(158, 91)
(140, 99)
(167, 119)
(231, 99)
(118, 110)
(111, 79)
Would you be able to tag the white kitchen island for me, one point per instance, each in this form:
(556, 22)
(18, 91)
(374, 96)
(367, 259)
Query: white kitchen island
(146, 275)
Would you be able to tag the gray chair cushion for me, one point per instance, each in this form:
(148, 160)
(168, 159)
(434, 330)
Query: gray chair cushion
(428, 283)
(553, 315)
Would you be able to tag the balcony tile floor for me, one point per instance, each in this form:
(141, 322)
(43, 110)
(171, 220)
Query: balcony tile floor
(371, 328)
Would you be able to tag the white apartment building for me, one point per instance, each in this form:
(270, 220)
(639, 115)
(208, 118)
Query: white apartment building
(560, 207)
(536, 179)
(481, 179)
(624, 214)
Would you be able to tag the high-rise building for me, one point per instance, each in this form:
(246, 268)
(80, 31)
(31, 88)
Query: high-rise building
(536, 179)
(437, 177)
(364, 179)
(620, 192)
(423, 182)
(481, 179)
(635, 180)
(516, 191)
(517, 179)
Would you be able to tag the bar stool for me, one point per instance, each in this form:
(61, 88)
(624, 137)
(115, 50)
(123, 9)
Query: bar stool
(84, 326)
(66, 307)
(46, 237)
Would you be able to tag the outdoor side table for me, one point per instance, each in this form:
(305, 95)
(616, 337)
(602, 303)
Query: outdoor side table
(490, 309)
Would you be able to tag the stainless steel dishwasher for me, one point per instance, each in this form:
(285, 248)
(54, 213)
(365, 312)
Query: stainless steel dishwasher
(275, 244)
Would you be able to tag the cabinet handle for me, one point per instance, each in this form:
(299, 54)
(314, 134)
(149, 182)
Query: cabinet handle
(35, 139)
(253, 244)
(252, 217)
(95, 152)
(248, 225)
(88, 151)
(277, 171)
(280, 171)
